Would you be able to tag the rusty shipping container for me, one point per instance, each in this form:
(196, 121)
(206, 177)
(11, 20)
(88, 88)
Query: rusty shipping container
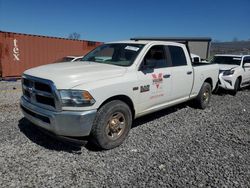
(19, 52)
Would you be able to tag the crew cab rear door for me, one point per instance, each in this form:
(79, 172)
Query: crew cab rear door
(182, 73)
(154, 79)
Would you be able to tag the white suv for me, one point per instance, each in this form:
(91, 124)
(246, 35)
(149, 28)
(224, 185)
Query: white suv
(234, 71)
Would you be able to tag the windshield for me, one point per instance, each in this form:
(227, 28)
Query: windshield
(120, 54)
(229, 60)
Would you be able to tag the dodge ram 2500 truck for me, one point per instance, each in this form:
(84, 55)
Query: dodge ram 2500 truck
(115, 83)
(234, 71)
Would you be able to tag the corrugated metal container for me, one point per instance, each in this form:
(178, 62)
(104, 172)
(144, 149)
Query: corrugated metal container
(19, 52)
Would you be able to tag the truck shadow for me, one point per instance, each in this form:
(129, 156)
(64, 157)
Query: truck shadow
(151, 117)
(222, 92)
(41, 138)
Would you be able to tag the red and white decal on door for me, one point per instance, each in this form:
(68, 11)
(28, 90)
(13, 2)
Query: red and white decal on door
(157, 79)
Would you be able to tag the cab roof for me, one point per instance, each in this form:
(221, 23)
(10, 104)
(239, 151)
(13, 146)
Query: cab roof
(195, 45)
(131, 42)
(174, 39)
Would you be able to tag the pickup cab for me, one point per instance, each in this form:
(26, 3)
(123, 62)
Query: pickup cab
(234, 71)
(101, 95)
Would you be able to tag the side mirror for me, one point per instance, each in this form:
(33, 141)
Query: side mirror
(195, 59)
(246, 65)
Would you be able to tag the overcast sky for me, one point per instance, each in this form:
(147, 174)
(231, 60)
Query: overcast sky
(109, 20)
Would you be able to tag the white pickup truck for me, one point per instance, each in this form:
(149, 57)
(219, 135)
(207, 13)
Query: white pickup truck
(115, 83)
(234, 71)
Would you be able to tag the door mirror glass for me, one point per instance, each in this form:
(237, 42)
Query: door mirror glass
(195, 59)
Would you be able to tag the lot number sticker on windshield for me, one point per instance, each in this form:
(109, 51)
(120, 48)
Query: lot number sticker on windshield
(132, 48)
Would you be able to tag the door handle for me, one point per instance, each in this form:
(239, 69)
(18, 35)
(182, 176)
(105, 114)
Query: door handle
(189, 72)
(166, 76)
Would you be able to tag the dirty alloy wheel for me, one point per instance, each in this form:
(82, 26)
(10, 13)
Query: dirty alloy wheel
(204, 96)
(115, 125)
(112, 124)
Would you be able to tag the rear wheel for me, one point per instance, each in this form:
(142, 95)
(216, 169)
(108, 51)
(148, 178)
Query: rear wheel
(112, 124)
(204, 96)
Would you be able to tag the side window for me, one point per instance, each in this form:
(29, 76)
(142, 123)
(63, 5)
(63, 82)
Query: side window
(177, 56)
(246, 60)
(156, 57)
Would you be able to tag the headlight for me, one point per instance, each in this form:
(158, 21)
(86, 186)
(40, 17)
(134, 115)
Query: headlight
(228, 72)
(76, 98)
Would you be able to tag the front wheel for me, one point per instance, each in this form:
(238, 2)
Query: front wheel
(204, 96)
(236, 86)
(112, 124)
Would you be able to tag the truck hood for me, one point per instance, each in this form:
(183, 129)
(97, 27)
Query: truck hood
(223, 67)
(71, 74)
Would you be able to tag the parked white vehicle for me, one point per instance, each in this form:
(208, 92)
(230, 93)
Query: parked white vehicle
(70, 58)
(234, 71)
(116, 83)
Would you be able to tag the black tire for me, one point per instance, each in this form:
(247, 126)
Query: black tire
(204, 96)
(111, 125)
(236, 86)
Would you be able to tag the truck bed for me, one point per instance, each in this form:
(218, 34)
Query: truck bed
(202, 71)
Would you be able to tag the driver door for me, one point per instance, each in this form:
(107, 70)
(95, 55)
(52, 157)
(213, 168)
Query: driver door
(154, 78)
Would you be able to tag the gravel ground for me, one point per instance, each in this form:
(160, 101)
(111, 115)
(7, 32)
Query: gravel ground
(177, 147)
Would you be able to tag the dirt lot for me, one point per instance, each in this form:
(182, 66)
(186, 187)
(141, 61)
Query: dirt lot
(180, 146)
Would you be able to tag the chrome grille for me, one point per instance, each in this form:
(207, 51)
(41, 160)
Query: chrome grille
(41, 92)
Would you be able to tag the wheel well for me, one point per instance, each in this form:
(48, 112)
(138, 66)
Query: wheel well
(124, 99)
(210, 81)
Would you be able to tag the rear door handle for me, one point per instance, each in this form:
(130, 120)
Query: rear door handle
(189, 72)
(166, 76)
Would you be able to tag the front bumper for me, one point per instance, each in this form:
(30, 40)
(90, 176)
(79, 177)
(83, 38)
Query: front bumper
(226, 82)
(64, 123)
